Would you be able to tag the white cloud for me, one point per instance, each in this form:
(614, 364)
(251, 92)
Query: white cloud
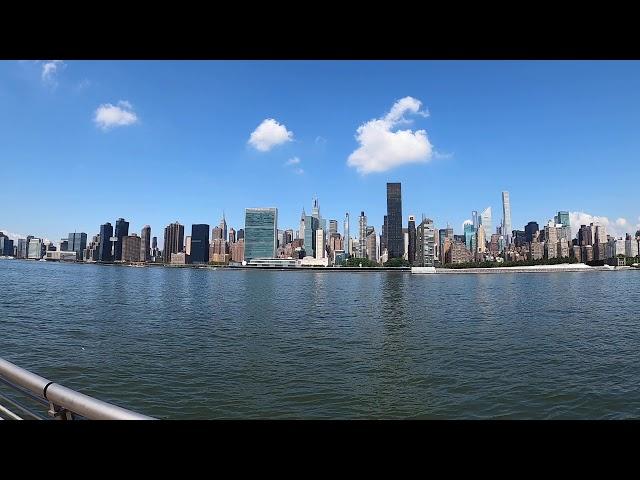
(299, 171)
(293, 161)
(382, 149)
(108, 116)
(13, 236)
(617, 228)
(50, 69)
(269, 134)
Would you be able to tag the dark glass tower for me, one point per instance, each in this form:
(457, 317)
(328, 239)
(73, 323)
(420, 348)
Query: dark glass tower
(199, 243)
(395, 239)
(530, 229)
(412, 240)
(104, 251)
(122, 230)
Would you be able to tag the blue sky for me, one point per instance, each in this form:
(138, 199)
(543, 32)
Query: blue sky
(85, 142)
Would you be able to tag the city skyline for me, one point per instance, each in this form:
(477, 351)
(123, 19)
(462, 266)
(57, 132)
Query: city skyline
(288, 130)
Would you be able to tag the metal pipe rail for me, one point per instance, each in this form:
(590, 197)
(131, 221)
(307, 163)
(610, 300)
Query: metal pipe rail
(63, 402)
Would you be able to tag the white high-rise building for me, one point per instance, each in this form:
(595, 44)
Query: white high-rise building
(506, 217)
(485, 222)
(347, 238)
(363, 235)
(320, 250)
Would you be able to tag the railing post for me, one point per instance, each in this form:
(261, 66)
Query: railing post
(59, 413)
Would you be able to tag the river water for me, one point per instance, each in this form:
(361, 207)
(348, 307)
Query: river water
(212, 344)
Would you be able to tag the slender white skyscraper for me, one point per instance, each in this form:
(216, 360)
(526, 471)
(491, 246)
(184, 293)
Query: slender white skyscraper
(506, 217)
(347, 238)
(485, 221)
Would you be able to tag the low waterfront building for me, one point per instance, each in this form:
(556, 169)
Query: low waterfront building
(179, 258)
(587, 253)
(60, 256)
(314, 262)
(220, 258)
(274, 262)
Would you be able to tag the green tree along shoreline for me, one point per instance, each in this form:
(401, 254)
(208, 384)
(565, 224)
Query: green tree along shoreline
(521, 263)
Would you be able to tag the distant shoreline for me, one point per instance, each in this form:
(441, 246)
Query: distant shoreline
(559, 268)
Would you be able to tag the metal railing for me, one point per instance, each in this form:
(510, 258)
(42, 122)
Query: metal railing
(62, 402)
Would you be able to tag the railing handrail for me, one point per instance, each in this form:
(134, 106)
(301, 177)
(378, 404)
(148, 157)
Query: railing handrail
(64, 397)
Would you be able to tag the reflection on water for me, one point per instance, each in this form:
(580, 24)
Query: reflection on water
(194, 343)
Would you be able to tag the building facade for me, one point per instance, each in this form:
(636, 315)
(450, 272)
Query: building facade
(260, 233)
(394, 237)
(173, 240)
(200, 242)
(104, 250)
(131, 248)
(425, 243)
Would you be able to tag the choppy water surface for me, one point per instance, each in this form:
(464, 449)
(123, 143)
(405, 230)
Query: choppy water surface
(186, 343)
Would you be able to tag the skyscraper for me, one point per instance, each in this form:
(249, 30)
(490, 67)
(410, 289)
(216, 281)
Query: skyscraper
(320, 251)
(485, 222)
(6, 245)
(372, 252)
(347, 238)
(145, 244)
(468, 235)
(104, 251)
(311, 224)
(562, 220)
(260, 233)
(383, 235)
(425, 243)
(232, 235)
(173, 240)
(200, 242)
(223, 227)
(362, 237)
(412, 239)
(333, 227)
(302, 225)
(77, 242)
(506, 217)
(216, 233)
(395, 240)
(131, 248)
(122, 230)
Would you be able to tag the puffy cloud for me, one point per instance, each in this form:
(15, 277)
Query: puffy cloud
(108, 116)
(293, 161)
(49, 71)
(617, 228)
(269, 134)
(13, 236)
(382, 148)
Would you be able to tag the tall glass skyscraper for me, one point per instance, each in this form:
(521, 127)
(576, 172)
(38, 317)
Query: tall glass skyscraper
(104, 251)
(395, 238)
(506, 217)
(261, 233)
(122, 230)
(469, 232)
(311, 224)
(485, 222)
(145, 244)
(200, 243)
(77, 242)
